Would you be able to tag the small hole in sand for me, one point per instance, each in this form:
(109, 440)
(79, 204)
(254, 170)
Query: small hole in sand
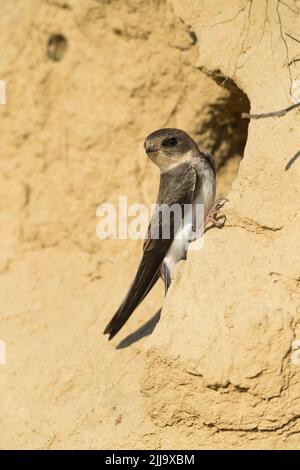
(193, 37)
(57, 46)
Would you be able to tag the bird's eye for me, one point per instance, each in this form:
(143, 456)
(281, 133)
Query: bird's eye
(172, 142)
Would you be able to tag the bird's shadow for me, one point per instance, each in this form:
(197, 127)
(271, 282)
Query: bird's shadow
(145, 330)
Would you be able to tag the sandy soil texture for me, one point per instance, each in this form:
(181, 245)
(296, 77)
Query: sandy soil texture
(86, 82)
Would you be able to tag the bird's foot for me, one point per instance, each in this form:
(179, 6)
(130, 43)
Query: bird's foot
(215, 210)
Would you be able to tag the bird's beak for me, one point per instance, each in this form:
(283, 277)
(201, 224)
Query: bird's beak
(150, 148)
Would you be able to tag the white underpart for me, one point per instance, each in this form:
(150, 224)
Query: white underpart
(205, 196)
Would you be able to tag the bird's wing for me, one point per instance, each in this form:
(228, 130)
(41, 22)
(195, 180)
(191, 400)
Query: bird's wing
(176, 187)
(211, 161)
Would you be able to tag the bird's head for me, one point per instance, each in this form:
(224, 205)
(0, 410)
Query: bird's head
(168, 147)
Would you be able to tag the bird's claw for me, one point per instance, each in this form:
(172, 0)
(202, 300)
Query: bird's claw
(214, 212)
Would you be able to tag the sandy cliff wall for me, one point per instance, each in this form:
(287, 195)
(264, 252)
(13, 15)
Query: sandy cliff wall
(86, 82)
(223, 349)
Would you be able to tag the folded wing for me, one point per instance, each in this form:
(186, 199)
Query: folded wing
(176, 187)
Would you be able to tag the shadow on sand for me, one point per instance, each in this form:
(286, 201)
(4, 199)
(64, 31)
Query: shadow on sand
(144, 330)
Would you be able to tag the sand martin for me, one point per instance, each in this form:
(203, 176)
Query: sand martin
(187, 177)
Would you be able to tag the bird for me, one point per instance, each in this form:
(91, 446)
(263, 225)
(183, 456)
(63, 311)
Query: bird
(187, 178)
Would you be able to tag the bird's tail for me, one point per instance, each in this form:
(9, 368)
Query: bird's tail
(141, 285)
